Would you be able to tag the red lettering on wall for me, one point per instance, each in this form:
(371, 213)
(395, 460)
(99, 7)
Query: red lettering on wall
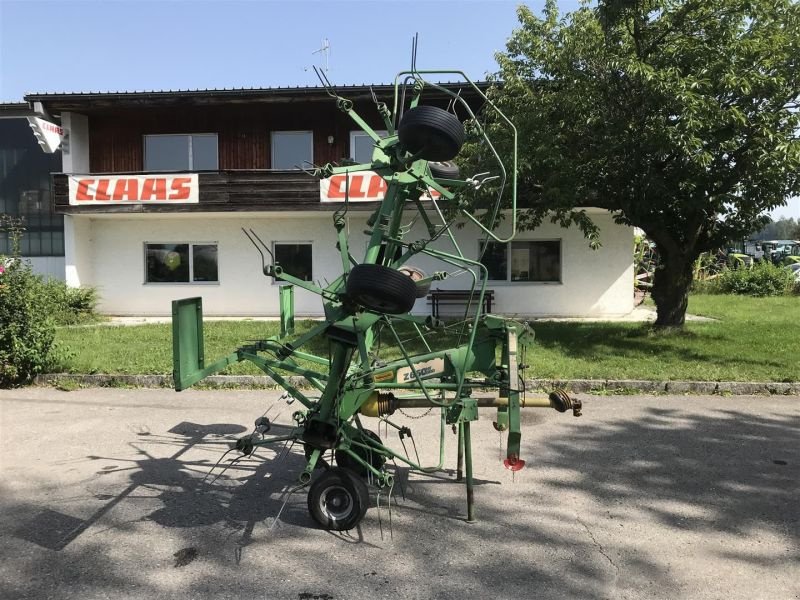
(129, 188)
(126, 189)
(356, 183)
(154, 189)
(336, 187)
(102, 190)
(181, 188)
(377, 187)
(83, 190)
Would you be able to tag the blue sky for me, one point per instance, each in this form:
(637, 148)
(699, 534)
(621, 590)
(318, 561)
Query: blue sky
(125, 45)
(109, 45)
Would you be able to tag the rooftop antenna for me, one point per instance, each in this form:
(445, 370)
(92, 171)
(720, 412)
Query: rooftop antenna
(325, 51)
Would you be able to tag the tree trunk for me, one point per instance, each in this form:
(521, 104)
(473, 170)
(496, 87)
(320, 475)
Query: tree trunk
(673, 278)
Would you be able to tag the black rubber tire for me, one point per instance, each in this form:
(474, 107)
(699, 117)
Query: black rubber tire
(444, 170)
(422, 288)
(338, 500)
(345, 461)
(431, 133)
(381, 289)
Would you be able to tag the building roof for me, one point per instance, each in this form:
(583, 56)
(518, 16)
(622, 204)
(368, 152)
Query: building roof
(56, 102)
(10, 110)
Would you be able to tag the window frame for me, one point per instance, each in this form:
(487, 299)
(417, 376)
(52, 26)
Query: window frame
(189, 148)
(508, 280)
(293, 243)
(291, 132)
(354, 133)
(191, 263)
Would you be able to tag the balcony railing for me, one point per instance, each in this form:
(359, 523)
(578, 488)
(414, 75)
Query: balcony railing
(218, 191)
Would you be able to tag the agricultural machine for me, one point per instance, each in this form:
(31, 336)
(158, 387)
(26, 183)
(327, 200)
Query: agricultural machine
(370, 303)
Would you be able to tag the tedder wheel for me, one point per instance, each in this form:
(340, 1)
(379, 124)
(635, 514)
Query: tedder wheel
(376, 459)
(444, 170)
(338, 499)
(431, 132)
(416, 275)
(381, 289)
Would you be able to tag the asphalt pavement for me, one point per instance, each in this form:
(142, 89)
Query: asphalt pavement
(105, 493)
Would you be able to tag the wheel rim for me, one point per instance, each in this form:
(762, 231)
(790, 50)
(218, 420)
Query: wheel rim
(336, 503)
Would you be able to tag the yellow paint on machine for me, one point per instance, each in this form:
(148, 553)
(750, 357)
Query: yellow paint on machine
(381, 377)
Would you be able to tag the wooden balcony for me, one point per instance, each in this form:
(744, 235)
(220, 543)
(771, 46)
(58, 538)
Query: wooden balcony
(221, 191)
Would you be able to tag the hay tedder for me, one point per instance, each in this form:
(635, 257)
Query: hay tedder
(369, 304)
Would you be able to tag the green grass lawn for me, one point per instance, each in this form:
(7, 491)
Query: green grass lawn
(754, 339)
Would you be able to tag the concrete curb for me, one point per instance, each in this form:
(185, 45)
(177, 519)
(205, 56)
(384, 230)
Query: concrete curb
(631, 386)
(601, 386)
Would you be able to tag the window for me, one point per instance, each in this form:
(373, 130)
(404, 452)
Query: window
(530, 261)
(184, 152)
(181, 263)
(25, 191)
(362, 146)
(292, 149)
(294, 259)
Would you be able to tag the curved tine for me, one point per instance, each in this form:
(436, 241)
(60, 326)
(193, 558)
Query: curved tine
(414, 42)
(398, 112)
(312, 171)
(252, 241)
(326, 83)
(342, 211)
(272, 256)
(451, 106)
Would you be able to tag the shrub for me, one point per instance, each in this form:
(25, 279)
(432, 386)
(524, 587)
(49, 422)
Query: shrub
(27, 328)
(29, 310)
(763, 279)
(70, 305)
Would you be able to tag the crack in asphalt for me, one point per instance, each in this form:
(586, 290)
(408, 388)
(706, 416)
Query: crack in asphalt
(600, 549)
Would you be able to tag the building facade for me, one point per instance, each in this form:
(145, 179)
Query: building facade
(156, 189)
(25, 193)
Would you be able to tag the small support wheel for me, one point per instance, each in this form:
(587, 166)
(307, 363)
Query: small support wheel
(444, 170)
(416, 275)
(381, 289)
(376, 459)
(338, 500)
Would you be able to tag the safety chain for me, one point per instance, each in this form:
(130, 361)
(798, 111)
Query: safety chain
(425, 414)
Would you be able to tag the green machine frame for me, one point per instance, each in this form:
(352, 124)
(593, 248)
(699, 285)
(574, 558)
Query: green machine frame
(350, 383)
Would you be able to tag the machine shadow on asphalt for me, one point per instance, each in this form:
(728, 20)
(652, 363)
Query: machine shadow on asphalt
(240, 492)
(642, 504)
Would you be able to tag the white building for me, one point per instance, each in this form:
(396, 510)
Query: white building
(157, 187)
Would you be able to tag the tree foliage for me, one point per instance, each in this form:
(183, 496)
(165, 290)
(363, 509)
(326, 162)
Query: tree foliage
(782, 229)
(26, 327)
(679, 116)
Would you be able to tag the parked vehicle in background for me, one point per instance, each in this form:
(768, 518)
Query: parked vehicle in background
(754, 249)
(795, 269)
(777, 250)
(738, 260)
(792, 255)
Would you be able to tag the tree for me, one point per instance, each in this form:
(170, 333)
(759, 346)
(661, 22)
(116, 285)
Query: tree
(679, 116)
(782, 229)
